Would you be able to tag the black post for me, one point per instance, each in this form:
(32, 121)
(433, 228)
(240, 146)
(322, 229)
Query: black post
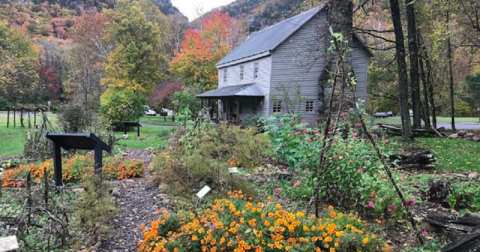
(35, 119)
(173, 118)
(138, 130)
(14, 120)
(98, 159)
(125, 128)
(57, 164)
(8, 117)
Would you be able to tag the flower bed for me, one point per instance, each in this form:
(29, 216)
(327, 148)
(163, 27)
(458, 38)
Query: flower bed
(75, 170)
(238, 224)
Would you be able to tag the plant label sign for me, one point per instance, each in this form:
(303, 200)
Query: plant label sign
(203, 192)
(233, 170)
(8, 243)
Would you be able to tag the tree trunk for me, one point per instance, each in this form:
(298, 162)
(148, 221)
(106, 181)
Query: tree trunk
(450, 62)
(425, 93)
(413, 49)
(402, 69)
(430, 90)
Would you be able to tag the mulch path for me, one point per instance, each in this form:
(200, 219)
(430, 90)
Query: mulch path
(137, 203)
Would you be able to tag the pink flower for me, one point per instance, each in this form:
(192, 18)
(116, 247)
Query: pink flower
(371, 204)
(392, 208)
(425, 233)
(330, 132)
(303, 122)
(305, 130)
(354, 135)
(330, 160)
(295, 133)
(358, 124)
(297, 183)
(410, 203)
(360, 169)
(309, 139)
(316, 132)
(373, 195)
(347, 123)
(277, 190)
(374, 135)
(342, 114)
(387, 141)
(294, 187)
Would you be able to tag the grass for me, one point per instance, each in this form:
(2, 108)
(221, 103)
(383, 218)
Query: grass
(453, 155)
(155, 137)
(397, 120)
(156, 119)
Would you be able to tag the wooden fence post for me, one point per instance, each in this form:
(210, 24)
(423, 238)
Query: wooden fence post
(45, 179)
(29, 198)
(8, 117)
(14, 120)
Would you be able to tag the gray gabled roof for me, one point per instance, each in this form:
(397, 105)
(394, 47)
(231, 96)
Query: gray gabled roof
(270, 38)
(247, 90)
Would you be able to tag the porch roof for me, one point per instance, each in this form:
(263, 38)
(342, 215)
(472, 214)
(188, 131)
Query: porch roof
(246, 90)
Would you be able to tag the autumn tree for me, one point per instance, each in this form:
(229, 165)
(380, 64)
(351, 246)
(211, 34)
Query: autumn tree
(162, 96)
(136, 62)
(201, 50)
(18, 66)
(85, 61)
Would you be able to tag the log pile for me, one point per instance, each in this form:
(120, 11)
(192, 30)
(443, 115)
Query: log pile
(468, 227)
(397, 131)
(421, 161)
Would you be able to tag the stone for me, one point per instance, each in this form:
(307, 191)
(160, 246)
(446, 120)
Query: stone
(473, 175)
(476, 139)
(453, 136)
(269, 166)
(116, 192)
(429, 227)
(78, 190)
(462, 133)
(261, 169)
(469, 135)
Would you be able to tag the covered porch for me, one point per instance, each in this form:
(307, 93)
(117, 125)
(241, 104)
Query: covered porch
(234, 102)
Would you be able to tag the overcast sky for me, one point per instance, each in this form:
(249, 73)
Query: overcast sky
(189, 7)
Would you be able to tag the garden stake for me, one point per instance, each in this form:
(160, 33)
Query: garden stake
(8, 117)
(348, 81)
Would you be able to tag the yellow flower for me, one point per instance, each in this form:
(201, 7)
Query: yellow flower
(300, 214)
(278, 206)
(365, 240)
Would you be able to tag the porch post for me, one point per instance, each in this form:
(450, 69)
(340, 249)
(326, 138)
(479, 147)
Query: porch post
(238, 111)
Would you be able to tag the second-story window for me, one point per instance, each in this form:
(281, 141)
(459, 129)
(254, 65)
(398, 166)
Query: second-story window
(255, 70)
(242, 72)
(225, 76)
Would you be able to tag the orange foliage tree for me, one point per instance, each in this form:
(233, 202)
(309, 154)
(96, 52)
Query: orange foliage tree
(201, 50)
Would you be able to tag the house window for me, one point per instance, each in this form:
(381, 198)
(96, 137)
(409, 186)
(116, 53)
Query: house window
(242, 72)
(277, 106)
(255, 70)
(309, 106)
(225, 75)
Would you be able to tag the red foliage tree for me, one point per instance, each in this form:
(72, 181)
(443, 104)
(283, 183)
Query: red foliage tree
(50, 82)
(162, 96)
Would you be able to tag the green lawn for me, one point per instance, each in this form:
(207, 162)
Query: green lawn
(453, 155)
(397, 120)
(13, 139)
(156, 119)
(154, 137)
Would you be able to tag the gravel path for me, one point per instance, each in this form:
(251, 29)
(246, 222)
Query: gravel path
(137, 204)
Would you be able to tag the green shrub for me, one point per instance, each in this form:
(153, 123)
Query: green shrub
(120, 105)
(465, 195)
(92, 212)
(202, 157)
(72, 118)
